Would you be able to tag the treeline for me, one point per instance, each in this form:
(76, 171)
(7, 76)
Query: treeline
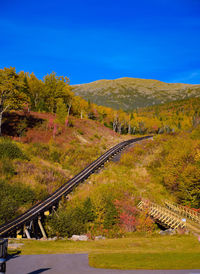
(54, 94)
(174, 116)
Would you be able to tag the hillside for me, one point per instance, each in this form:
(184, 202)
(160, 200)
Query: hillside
(51, 136)
(130, 93)
(36, 159)
(40, 160)
(176, 116)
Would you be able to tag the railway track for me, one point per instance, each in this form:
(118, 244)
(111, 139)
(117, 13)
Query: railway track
(38, 209)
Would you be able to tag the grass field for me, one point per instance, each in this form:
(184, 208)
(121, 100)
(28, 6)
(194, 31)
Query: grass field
(133, 252)
(146, 260)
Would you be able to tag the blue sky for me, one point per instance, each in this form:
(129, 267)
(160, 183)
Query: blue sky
(90, 40)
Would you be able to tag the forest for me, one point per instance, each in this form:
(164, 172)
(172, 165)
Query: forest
(53, 94)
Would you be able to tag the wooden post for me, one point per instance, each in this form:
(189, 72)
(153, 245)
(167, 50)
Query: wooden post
(27, 232)
(41, 228)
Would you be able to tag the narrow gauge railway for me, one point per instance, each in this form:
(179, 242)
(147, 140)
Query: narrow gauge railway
(38, 209)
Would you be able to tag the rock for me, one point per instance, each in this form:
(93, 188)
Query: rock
(52, 239)
(43, 239)
(182, 231)
(79, 238)
(169, 231)
(162, 232)
(15, 245)
(97, 238)
(55, 238)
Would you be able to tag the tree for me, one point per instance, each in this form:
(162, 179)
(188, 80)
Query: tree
(11, 95)
(79, 106)
(57, 87)
(111, 215)
(122, 120)
(35, 91)
(61, 111)
(88, 214)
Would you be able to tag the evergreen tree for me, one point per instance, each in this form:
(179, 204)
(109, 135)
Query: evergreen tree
(88, 211)
(111, 215)
(61, 111)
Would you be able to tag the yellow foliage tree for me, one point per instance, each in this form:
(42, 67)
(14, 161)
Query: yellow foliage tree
(11, 95)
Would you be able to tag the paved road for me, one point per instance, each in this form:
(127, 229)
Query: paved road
(70, 264)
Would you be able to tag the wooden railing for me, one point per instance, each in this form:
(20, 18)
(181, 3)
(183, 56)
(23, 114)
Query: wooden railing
(162, 214)
(184, 211)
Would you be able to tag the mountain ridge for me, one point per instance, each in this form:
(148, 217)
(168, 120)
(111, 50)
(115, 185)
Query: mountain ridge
(130, 93)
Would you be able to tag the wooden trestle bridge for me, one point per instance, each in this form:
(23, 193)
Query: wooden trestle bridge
(173, 216)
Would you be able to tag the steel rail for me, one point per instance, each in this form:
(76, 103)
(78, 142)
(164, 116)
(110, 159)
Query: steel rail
(53, 198)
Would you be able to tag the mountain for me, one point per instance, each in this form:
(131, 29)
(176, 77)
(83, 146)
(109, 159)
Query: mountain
(130, 93)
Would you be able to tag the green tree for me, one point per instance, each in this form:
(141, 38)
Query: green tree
(111, 215)
(11, 95)
(61, 111)
(57, 87)
(35, 92)
(88, 214)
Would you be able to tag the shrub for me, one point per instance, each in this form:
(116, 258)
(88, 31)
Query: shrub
(80, 131)
(97, 136)
(65, 223)
(55, 155)
(127, 214)
(41, 150)
(12, 197)
(71, 220)
(7, 168)
(10, 150)
(70, 123)
(145, 223)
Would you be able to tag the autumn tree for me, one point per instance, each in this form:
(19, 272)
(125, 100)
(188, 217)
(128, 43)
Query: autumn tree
(79, 106)
(12, 96)
(35, 91)
(57, 87)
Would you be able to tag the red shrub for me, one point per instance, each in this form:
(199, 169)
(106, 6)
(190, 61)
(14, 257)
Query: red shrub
(127, 214)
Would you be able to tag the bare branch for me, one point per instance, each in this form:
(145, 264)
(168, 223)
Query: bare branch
(5, 109)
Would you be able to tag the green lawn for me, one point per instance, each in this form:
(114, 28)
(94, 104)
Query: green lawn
(134, 252)
(146, 260)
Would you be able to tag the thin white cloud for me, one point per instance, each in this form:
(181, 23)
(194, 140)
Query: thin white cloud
(189, 77)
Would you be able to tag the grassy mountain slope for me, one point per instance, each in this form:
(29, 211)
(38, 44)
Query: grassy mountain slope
(166, 168)
(130, 93)
(43, 159)
(35, 160)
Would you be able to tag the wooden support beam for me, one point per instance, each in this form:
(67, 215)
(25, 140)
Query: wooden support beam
(171, 215)
(27, 232)
(41, 228)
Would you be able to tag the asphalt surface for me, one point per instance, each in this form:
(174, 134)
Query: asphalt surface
(70, 264)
